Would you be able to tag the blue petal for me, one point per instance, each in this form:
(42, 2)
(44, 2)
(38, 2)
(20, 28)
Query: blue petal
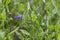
(18, 17)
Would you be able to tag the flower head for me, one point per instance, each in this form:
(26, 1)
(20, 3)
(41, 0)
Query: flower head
(18, 17)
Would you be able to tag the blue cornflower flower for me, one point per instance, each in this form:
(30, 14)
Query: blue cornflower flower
(18, 17)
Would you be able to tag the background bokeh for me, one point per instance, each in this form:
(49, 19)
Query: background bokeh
(29, 19)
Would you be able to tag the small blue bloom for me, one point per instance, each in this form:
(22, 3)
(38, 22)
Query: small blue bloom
(18, 17)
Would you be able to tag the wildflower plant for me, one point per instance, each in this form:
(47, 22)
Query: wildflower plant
(29, 20)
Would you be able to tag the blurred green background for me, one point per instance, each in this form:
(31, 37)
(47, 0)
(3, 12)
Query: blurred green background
(40, 20)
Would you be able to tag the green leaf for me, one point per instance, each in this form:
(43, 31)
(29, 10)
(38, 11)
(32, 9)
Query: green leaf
(34, 17)
(21, 7)
(57, 28)
(2, 34)
(58, 37)
(3, 16)
(24, 32)
(7, 2)
(51, 27)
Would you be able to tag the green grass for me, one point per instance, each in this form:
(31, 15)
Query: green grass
(40, 20)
